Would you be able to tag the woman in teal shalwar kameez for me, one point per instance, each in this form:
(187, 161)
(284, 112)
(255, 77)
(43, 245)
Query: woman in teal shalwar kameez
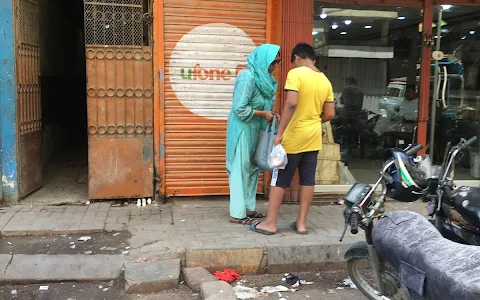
(253, 97)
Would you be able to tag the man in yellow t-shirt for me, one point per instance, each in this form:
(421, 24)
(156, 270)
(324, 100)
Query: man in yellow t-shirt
(309, 103)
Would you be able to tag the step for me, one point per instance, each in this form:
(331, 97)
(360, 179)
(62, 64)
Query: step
(151, 277)
(25, 269)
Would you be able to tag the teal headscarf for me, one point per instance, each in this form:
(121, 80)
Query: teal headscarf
(258, 62)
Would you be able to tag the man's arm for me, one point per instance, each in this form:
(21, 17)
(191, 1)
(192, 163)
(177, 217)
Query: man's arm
(328, 111)
(287, 114)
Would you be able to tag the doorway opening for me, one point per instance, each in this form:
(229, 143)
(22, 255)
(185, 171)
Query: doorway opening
(63, 98)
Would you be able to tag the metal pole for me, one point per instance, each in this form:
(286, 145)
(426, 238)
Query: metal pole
(426, 61)
(435, 86)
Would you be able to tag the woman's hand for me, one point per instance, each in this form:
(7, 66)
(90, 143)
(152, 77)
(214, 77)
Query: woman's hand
(278, 140)
(268, 116)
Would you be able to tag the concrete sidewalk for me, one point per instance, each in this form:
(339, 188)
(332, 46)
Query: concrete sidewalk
(199, 233)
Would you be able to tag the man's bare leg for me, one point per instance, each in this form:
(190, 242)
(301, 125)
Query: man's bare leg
(306, 198)
(274, 203)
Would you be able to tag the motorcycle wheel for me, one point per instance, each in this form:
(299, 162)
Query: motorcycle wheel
(361, 273)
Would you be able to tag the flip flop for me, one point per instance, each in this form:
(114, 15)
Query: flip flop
(256, 215)
(244, 221)
(294, 227)
(253, 227)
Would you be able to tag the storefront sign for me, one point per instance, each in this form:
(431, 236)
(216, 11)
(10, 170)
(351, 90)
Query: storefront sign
(203, 67)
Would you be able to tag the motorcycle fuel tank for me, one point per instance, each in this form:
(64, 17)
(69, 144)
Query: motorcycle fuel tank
(466, 201)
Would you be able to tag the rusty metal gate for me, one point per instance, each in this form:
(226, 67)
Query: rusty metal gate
(206, 45)
(29, 112)
(119, 98)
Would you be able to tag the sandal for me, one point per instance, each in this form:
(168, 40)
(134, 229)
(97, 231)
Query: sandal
(256, 215)
(244, 221)
(294, 227)
(254, 228)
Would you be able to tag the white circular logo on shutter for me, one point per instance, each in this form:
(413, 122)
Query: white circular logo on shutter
(203, 67)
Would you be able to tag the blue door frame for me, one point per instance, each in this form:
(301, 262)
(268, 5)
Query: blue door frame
(8, 106)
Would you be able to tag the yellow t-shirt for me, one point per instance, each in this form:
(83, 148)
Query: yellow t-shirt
(304, 132)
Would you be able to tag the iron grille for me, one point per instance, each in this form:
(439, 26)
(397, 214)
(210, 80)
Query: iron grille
(28, 21)
(114, 22)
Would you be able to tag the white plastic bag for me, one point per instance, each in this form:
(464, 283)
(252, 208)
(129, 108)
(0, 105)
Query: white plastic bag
(278, 158)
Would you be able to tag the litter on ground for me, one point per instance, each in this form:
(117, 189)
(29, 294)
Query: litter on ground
(228, 275)
(274, 289)
(43, 288)
(84, 238)
(348, 282)
(143, 260)
(243, 292)
(295, 281)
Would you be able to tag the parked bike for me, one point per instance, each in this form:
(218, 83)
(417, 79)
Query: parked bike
(404, 255)
(456, 211)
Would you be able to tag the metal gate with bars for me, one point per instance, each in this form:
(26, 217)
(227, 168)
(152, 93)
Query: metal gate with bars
(119, 98)
(29, 112)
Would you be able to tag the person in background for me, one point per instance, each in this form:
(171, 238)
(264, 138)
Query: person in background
(252, 104)
(309, 102)
(318, 64)
(409, 107)
(352, 98)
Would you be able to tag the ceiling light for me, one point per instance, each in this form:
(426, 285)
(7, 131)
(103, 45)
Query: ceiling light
(472, 32)
(334, 26)
(323, 15)
(348, 22)
(314, 32)
(446, 7)
(401, 18)
(368, 26)
(343, 33)
(464, 37)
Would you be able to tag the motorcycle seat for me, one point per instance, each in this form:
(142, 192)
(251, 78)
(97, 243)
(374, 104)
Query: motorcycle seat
(430, 266)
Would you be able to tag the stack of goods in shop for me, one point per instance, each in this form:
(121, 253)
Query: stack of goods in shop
(328, 169)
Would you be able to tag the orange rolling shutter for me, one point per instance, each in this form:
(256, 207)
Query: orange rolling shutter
(206, 45)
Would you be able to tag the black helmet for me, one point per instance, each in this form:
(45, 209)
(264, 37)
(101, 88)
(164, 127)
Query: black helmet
(409, 182)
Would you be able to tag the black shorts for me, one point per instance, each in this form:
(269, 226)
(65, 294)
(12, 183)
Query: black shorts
(306, 162)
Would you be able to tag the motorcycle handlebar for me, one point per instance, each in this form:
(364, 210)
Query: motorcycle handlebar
(414, 149)
(354, 223)
(469, 142)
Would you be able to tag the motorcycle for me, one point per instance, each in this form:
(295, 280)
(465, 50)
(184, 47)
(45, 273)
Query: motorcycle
(456, 211)
(408, 256)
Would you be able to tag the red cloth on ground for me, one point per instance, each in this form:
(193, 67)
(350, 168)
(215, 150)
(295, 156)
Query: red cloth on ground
(228, 275)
